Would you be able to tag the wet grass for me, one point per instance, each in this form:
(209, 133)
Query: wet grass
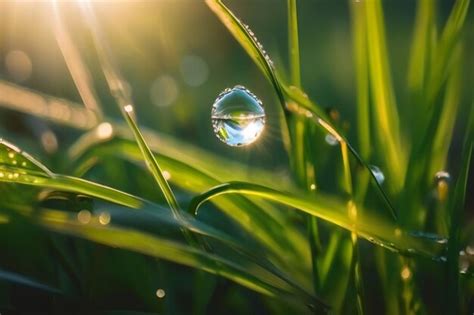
(355, 244)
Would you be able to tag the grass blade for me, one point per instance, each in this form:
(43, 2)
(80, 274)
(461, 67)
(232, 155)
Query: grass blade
(376, 230)
(18, 279)
(243, 272)
(385, 108)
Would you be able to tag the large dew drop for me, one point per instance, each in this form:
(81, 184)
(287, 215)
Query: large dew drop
(238, 116)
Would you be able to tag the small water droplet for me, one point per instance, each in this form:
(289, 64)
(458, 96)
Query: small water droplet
(166, 175)
(160, 293)
(331, 140)
(84, 216)
(104, 218)
(128, 108)
(238, 116)
(105, 130)
(405, 273)
(379, 176)
(442, 175)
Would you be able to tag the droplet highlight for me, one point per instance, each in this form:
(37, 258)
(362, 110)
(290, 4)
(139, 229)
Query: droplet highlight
(238, 116)
(379, 176)
(331, 140)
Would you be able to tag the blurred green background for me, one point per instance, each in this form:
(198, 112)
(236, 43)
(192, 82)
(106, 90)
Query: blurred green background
(178, 57)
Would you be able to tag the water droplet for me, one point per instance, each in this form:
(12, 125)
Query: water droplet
(105, 130)
(84, 216)
(238, 116)
(405, 273)
(160, 293)
(104, 218)
(128, 108)
(166, 175)
(331, 140)
(379, 176)
(442, 175)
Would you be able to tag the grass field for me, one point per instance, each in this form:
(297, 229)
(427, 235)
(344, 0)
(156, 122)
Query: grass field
(117, 198)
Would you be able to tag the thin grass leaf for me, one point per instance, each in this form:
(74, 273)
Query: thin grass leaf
(17, 279)
(443, 52)
(385, 112)
(245, 273)
(362, 78)
(376, 230)
(79, 186)
(122, 96)
(422, 41)
(79, 72)
(47, 107)
(257, 219)
(457, 204)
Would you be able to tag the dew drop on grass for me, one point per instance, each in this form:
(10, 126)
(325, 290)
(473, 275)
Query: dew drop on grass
(379, 176)
(238, 117)
(331, 140)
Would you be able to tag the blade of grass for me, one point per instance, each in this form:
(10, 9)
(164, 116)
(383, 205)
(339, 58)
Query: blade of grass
(376, 230)
(14, 278)
(79, 72)
(457, 204)
(362, 79)
(35, 176)
(385, 107)
(48, 107)
(245, 273)
(123, 98)
(300, 103)
(421, 45)
(271, 230)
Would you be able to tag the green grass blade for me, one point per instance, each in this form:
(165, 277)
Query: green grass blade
(243, 272)
(78, 69)
(293, 43)
(386, 125)
(362, 79)
(123, 98)
(457, 205)
(421, 45)
(442, 55)
(18, 279)
(268, 228)
(376, 230)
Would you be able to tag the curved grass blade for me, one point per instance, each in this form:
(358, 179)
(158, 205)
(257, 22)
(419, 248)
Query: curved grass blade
(259, 220)
(301, 104)
(243, 272)
(76, 185)
(375, 230)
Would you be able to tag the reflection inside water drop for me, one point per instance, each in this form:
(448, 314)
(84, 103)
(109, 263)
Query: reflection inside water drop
(238, 117)
(379, 176)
